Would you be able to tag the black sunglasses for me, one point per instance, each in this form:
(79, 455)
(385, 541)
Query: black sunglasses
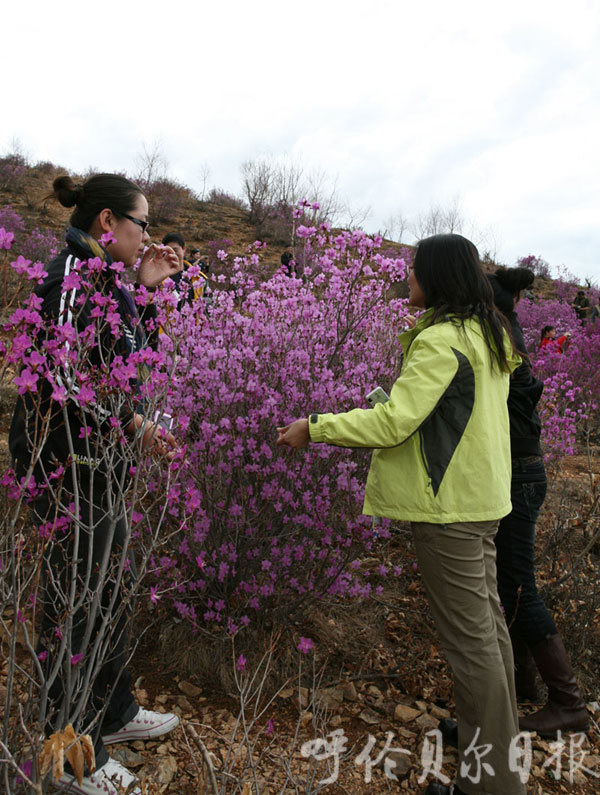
(143, 224)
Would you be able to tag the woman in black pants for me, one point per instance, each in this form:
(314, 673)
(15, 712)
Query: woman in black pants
(537, 646)
(535, 639)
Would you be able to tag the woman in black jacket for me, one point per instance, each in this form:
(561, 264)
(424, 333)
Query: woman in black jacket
(69, 436)
(535, 639)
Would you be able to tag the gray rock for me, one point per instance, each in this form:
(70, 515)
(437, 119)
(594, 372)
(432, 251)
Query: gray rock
(127, 757)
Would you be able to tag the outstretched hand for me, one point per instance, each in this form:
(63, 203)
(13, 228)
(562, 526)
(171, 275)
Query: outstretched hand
(157, 263)
(294, 435)
(154, 438)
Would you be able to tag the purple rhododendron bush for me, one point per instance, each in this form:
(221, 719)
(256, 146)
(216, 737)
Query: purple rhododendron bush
(569, 404)
(265, 532)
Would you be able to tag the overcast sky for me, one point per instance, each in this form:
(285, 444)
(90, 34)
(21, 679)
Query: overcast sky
(407, 104)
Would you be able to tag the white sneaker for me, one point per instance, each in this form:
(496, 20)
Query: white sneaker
(110, 779)
(145, 726)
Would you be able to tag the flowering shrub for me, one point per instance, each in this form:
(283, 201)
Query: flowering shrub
(571, 379)
(40, 245)
(216, 249)
(534, 315)
(221, 198)
(36, 247)
(13, 170)
(264, 529)
(10, 220)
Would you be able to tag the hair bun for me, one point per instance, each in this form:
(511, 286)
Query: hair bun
(67, 193)
(515, 279)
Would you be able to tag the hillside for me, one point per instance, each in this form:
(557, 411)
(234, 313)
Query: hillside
(362, 668)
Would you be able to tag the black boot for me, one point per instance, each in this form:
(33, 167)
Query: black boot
(435, 788)
(565, 709)
(448, 728)
(525, 669)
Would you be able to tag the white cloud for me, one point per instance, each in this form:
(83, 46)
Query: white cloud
(407, 103)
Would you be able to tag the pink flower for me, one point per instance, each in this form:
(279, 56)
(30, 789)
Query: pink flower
(72, 281)
(43, 656)
(76, 658)
(270, 728)
(59, 394)
(6, 238)
(305, 645)
(20, 265)
(86, 395)
(154, 596)
(37, 273)
(107, 238)
(305, 231)
(241, 663)
(26, 381)
(27, 769)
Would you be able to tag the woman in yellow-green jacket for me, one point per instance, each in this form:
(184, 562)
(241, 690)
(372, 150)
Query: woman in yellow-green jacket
(442, 461)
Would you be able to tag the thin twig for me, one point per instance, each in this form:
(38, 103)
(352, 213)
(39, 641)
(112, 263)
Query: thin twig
(207, 760)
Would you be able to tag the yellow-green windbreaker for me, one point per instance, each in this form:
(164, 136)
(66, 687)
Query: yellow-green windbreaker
(441, 443)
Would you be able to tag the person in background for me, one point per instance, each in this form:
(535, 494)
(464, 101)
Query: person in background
(195, 260)
(535, 638)
(177, 243)
(581, 305)
(199, 284)
(287, 263)
(549, 340)
(443, 433)
(529, 294)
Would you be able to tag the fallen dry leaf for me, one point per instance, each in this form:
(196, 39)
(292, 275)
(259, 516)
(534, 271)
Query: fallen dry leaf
(78, 751)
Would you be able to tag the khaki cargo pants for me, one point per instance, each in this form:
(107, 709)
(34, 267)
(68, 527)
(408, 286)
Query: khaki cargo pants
(458, 566)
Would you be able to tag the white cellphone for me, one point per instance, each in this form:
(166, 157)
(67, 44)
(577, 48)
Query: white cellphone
(377, 395)
(164, 420)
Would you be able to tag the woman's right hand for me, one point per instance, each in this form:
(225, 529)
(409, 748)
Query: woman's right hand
(155, 439)
(157, 263)
(294, 435)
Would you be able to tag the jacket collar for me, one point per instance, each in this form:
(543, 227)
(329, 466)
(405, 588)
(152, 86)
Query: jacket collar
(406, 337)
(85, 246)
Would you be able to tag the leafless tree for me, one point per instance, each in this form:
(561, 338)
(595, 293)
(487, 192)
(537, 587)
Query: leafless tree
(258, 182)
(204, 174)
(151, 163)
(396, 226)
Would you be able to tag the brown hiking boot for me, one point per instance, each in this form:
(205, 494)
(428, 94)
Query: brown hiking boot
(565, 710)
